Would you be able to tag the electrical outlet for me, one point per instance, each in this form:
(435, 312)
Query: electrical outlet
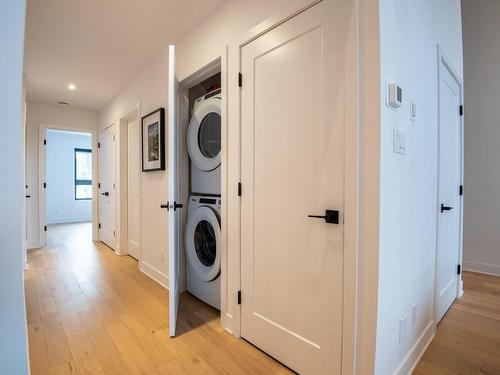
(414, 314)
(402, 328)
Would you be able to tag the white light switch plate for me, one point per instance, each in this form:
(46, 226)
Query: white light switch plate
(399, 141)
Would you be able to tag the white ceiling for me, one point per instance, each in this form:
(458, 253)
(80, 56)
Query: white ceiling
(100, 45)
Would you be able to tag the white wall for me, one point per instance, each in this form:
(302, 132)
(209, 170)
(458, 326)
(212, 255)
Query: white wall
(13, 342)
(482, 135)
(42, 113)
(150, 90)
(410, 32)
(61, 206)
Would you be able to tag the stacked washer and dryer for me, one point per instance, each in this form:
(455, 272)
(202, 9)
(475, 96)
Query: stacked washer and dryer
(202, 233)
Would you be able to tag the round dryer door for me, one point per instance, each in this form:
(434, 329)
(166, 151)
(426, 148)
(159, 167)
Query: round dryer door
(202, 243)
(204, 134)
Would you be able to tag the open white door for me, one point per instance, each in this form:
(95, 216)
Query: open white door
(173, 192)
(107, 196)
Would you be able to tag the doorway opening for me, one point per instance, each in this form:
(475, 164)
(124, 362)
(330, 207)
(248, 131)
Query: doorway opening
(67, 175)
(448, 283)
(129, 184)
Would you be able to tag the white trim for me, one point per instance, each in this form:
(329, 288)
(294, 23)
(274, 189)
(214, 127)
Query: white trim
(42, 129)
(33, 245)
(416, 352)
(70, 220)
(351, 198)
(488, 269)
(446, 63)
(153, 273)
(121, 164)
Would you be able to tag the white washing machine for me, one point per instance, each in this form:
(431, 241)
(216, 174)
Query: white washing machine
(202, 241)
(204, 144)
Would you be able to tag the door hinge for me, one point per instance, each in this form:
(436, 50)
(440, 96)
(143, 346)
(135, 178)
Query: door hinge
(239, 189)
(459, 269)
(239, 297)
(45, 142)
(113, 137)
(461, 110)
(45, 228)
(114, 186)
(114, 234)
(461, 190)
(240, 80)
(99, 225)
(98, 144)
(98, 185)
(44, 185)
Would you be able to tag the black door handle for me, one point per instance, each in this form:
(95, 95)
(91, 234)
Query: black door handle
(28, 196)
(330, 216)
(169, 206)
(445, 208)
(106, 193)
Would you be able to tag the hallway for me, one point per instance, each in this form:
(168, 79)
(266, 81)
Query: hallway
(90, 311)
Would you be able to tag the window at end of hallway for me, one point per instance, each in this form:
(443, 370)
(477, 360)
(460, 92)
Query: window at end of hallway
(83, 174)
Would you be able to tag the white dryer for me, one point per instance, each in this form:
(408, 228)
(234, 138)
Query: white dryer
(202, 241)
(204, 144)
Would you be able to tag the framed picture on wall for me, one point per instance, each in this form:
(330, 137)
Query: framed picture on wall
(153, 141)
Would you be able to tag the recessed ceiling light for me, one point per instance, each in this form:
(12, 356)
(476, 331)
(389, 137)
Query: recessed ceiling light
(71, 86)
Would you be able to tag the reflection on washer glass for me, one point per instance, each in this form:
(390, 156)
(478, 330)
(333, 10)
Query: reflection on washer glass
(209, 135)
(204, 243)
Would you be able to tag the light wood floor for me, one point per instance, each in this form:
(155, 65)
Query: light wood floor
(92, 312)
(467, 341)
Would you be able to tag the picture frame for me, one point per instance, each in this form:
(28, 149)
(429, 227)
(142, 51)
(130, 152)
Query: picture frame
(153, 141)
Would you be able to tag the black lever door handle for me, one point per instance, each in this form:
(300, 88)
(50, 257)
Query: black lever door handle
(106, 193)
(445, 208)
(169, 206)
(28, 196)
(330, 216)
(177, 205)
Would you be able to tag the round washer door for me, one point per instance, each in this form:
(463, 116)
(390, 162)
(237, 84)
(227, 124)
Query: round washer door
(202, 243)
(204, 135)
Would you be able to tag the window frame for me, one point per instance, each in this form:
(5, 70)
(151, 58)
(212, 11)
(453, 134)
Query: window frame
(81, 182)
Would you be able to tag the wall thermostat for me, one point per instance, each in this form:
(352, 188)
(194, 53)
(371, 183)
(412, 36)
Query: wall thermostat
(394, 96)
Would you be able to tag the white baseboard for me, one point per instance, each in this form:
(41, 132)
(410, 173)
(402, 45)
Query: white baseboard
(33, 245)
(489, 269)
(69, 220)
(416, 352)
(152, 272)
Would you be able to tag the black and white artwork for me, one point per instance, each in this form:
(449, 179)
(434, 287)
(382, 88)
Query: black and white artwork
(153, 141)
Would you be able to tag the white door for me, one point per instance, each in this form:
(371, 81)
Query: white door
(173, 192)
(134, 189)
(449, 200)
(107, 195)
(292, 167)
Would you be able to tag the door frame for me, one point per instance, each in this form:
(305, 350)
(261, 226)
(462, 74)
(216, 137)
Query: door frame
(445, 62)
(351, 183)
(121, 166)
(42, 129)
